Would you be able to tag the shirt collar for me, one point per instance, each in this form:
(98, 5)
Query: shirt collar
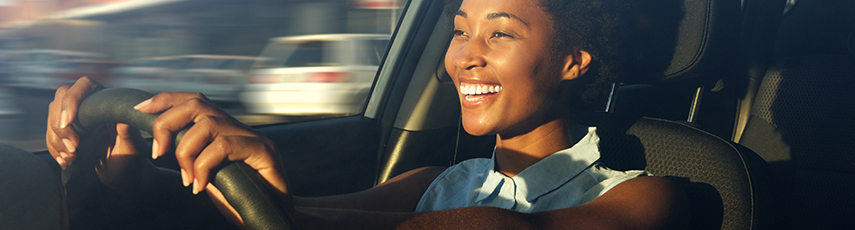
(553, 171)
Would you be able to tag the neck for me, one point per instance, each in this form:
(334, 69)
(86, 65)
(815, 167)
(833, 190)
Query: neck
(516, 153)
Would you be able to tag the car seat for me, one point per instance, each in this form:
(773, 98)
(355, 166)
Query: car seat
(802, 119)
(729, 186)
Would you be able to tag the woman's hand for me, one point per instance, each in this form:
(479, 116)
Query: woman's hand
(116, 146)
(213, 138)
(61, 139)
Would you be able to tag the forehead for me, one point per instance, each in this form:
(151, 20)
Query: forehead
(525, 10)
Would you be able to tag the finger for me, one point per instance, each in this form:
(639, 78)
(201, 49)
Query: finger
(55, 146)
(175, 119)
(211, 157)
(55, 154)
(194, 141)
(54, 108)
(124, 143)
(254, 151)
(223, 148)
(68, 111)
(130, 135)
(72, 98)
(163, 101)
(126, 140)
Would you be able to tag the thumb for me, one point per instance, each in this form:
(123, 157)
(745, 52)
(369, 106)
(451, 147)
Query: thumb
(129, 141)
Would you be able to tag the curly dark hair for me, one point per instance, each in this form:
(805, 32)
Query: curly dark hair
(618, 34)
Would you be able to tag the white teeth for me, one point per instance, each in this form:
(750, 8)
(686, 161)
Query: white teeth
(476, 90)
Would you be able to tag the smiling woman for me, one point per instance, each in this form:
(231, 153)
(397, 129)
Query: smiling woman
(516, 47)
(521, 68)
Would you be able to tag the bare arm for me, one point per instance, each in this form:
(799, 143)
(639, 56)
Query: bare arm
(640, 203)
(399, 194)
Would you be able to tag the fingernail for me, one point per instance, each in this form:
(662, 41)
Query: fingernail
(63, 154)
(184, 178)
(61, 162)
(63, 119)
(142, 104)
(69, 145)
(154, 148)
(196, 187)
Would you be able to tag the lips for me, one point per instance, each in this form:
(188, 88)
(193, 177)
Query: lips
(477, 94)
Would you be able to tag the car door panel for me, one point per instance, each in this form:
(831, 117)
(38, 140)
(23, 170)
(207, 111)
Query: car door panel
(327, 157)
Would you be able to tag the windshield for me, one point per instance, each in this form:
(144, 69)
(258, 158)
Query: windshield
(215, 48)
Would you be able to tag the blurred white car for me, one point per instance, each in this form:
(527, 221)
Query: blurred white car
(327, 74)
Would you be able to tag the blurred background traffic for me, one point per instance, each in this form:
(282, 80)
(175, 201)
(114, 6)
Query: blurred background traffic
(263, 61)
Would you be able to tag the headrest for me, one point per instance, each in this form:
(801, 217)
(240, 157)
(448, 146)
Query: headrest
(810, 21)
(707, 36)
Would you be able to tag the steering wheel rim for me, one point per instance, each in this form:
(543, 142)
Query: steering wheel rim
(241, 185)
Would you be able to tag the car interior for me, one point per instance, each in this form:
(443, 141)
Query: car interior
(749, 114)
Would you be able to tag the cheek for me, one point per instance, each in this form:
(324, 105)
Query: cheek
(513, 58)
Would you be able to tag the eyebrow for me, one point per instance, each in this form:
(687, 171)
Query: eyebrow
(505, 15)
(494, 16)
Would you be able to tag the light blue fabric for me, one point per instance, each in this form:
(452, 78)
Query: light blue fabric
(567, 178)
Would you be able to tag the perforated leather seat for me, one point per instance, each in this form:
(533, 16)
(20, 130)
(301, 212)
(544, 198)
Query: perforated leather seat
(802, 124)
(802, 119)
(728, 185)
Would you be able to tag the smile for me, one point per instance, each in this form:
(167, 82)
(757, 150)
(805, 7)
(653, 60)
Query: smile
(479, 89)
(474, 92)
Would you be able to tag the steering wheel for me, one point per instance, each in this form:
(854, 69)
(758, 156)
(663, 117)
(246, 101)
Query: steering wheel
(241, 185)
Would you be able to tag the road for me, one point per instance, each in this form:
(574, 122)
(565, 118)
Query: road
(27, 131)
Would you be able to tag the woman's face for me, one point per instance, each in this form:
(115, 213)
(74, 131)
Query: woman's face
(500, 62)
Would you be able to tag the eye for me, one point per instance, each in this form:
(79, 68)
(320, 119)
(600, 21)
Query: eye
(458, 33)
(501, 35)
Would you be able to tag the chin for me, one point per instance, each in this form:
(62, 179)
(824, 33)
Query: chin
(477, 130)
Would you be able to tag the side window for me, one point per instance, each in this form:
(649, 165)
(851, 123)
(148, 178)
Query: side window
(371, 52)
(283, 62)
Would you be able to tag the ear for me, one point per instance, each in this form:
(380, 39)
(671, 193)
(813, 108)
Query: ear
(575, 65)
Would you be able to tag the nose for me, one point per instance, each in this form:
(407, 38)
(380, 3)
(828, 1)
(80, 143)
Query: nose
(471, 55)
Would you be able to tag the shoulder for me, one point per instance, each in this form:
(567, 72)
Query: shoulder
(648, 202)
(475, 165)
(424, 176)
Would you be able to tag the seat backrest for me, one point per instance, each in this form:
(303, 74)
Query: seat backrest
(728, 185)
(802, 124)
(802, 118)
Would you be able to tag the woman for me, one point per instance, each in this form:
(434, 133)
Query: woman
(520, 67)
